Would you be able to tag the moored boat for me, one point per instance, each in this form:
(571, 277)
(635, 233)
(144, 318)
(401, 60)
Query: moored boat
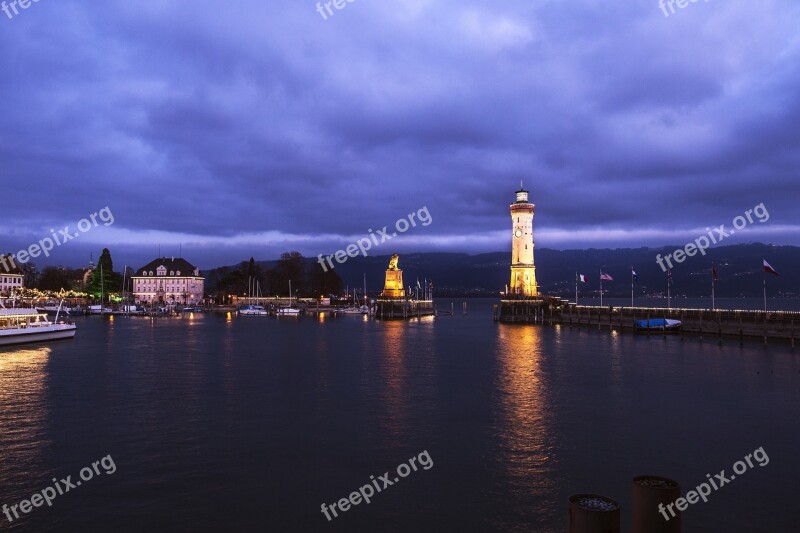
(290, 310)
(658, 324)
(253, 310)
(52, 308)
(21, 326)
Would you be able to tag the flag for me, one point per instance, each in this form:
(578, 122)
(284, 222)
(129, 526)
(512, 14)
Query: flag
(714, 276)
(418, 285)
(634, 276)
(768, 268)
(582, 278)
(605, 277)
(669, 275)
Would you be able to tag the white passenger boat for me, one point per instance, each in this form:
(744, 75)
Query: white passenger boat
(20, 326)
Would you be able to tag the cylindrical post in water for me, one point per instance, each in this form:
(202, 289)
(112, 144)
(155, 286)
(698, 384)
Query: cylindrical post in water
(592, 513)
(653, 505)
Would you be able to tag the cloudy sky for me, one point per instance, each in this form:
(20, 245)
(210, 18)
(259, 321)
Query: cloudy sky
(249, 128)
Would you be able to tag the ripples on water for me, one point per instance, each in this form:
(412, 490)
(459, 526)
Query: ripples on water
(248, 424)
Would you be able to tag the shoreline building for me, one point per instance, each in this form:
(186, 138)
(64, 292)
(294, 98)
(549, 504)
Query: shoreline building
(11, 277)
(168, 281)
(523, 269)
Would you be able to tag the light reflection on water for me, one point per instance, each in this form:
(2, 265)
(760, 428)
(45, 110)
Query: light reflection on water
(23, 412)
(524, 429)
(393, 354)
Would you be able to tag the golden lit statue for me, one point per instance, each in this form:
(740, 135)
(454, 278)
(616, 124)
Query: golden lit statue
(393, 287)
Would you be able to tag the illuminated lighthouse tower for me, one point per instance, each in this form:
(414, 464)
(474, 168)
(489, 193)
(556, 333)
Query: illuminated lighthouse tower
(523, 271)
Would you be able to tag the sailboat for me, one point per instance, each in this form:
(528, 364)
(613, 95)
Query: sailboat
(100, 309)
(290, 310)
(252, 309)
(355, 309)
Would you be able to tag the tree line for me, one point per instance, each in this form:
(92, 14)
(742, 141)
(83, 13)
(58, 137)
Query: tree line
(307, 277)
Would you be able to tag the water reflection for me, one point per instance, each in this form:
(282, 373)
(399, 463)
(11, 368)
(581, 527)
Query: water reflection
(23, 410)
(526, 442)
(393, 372)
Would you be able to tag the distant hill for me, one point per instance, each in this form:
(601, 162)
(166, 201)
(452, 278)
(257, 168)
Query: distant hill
(460, 274)
(738, 267)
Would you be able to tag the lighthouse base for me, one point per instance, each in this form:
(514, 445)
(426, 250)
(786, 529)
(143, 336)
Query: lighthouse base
(528, 310)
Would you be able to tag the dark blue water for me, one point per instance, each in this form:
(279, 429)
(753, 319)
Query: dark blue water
(250, 424)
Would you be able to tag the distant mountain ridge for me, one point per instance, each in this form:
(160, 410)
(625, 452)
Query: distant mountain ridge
(738, 267)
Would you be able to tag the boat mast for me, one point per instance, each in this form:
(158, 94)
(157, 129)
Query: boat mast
(101, 290)
(124, 301)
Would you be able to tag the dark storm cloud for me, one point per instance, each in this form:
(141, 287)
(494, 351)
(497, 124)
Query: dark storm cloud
(251, 128)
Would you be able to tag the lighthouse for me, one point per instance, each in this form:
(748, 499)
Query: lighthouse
(523, 270)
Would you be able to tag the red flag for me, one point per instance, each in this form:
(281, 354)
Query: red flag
(605, 277)
(768, 268)
(714, 273)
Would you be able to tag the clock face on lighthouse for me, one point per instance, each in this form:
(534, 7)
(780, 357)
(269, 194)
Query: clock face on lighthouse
(518, 233)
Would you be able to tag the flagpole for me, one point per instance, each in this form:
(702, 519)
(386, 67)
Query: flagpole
(576, 288)
(764, 273)
(669, 279)
(713, 283)
(631, 286)
(601, 287)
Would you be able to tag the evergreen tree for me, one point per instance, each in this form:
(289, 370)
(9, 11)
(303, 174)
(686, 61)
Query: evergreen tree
(110, 282)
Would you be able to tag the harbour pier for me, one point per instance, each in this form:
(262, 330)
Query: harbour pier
(719, 323)
(388, 309)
